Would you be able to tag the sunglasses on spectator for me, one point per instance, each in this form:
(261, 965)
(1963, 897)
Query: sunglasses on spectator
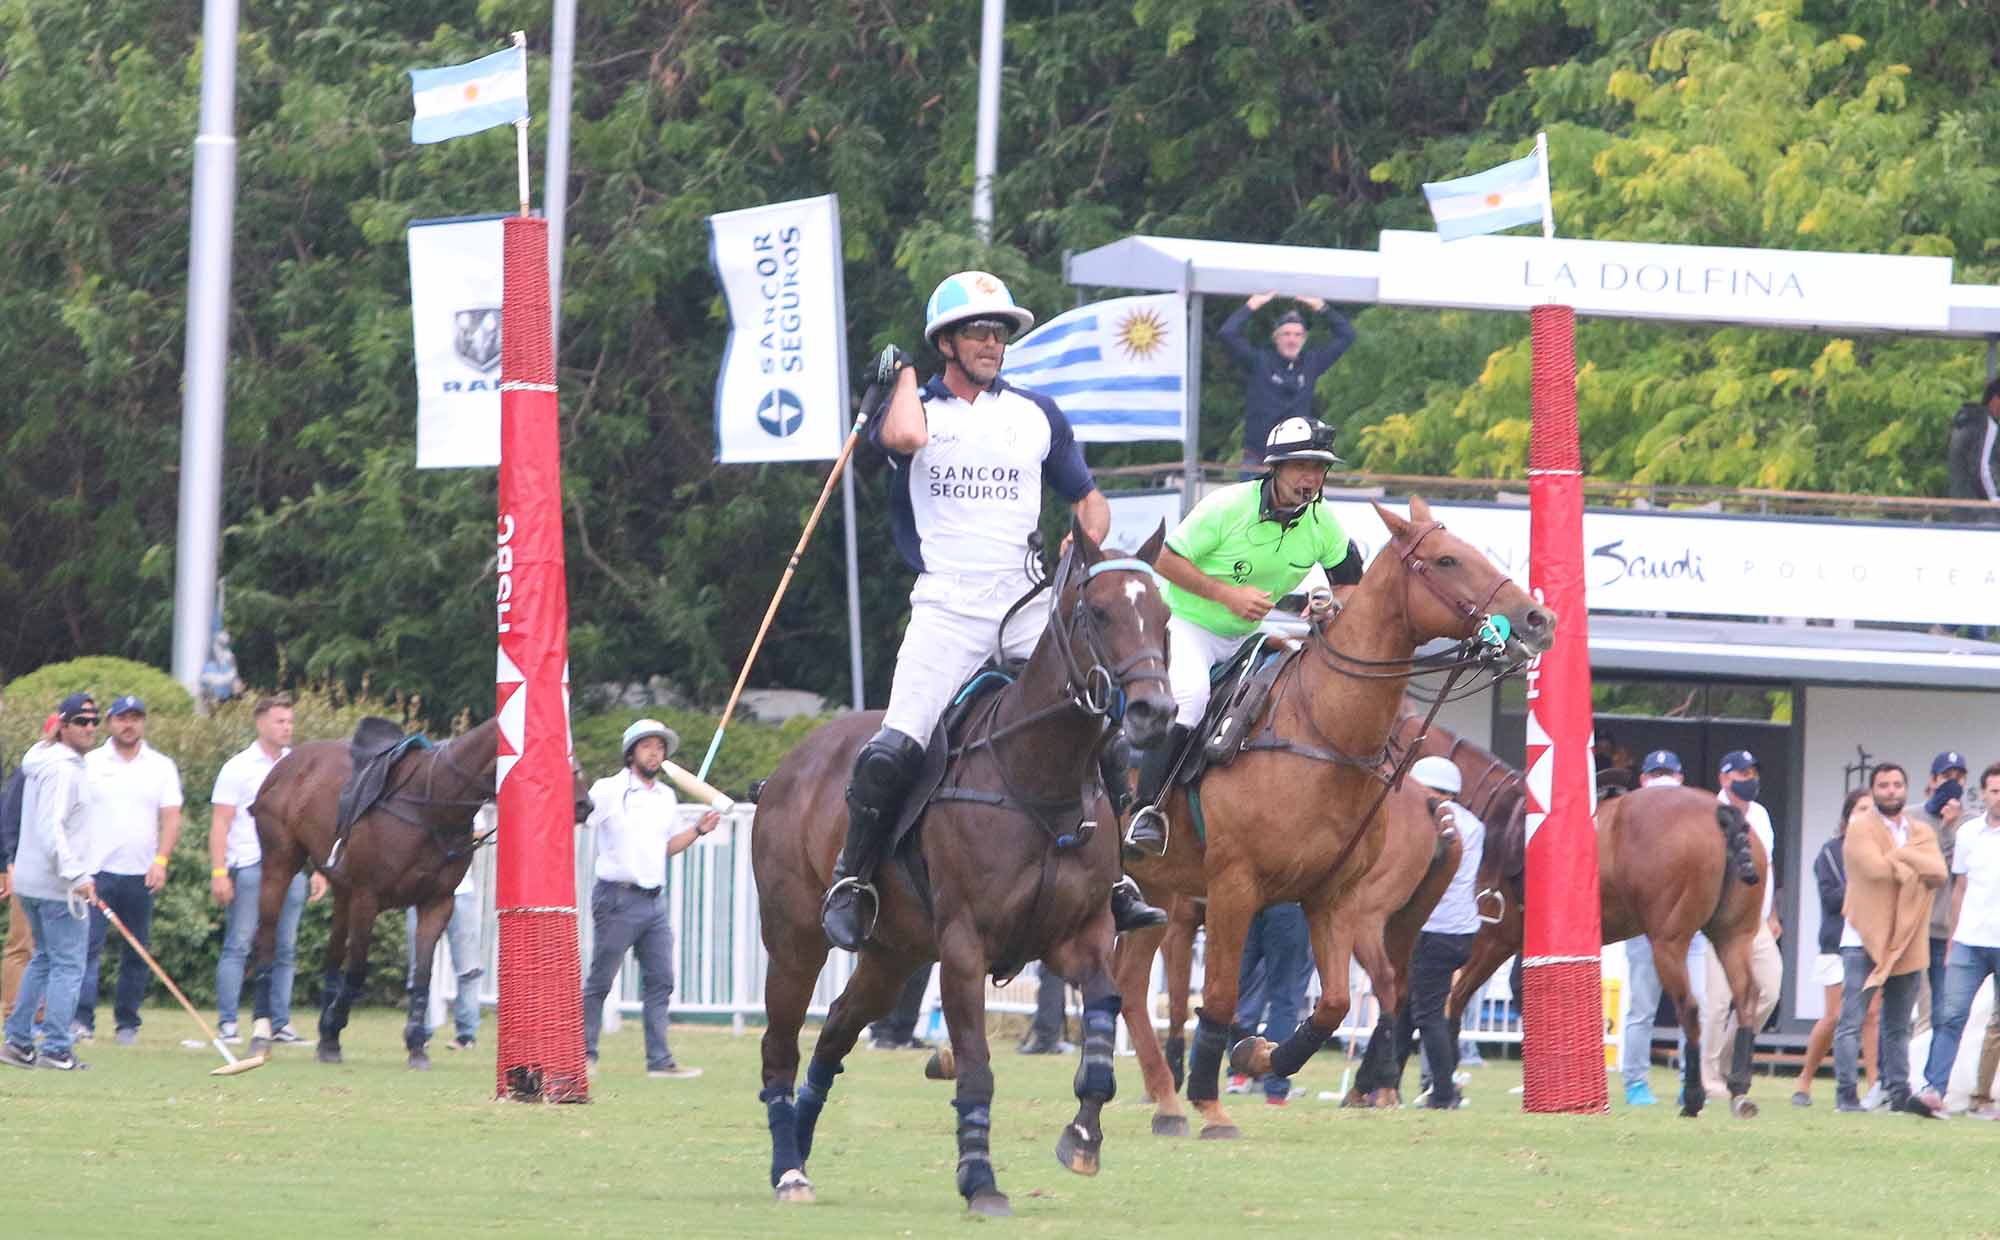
(85, 721)
(985, 331)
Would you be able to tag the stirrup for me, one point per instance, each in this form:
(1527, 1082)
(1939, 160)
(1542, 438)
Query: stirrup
(1155, 827)
(861, 887)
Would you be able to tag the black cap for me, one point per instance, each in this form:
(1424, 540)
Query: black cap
(77, 705)
(1289, 316)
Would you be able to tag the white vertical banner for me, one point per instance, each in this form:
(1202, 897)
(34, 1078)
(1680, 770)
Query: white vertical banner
(455, 270)
(782, 394)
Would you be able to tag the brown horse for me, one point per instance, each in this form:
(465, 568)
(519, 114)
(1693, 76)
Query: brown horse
(1299, 815)
(994, 876)
(1671, 862)
(410, 850)
(1381, 921)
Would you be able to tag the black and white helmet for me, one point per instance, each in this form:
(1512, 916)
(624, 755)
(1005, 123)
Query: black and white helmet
(1300, 439)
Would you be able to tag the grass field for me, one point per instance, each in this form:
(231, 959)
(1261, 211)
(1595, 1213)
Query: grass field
(147, 1144)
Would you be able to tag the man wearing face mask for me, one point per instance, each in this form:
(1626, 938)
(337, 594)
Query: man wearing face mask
(1893, 866)
(1942, 809)
(1740, 785)
(1662, 767)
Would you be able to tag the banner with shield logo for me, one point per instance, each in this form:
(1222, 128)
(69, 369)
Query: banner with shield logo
(455, 317)
(782, 394)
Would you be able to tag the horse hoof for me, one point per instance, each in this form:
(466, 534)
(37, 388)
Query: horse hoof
(1690, 1110)
(420, 1062)
(1387, 1099)
(794, 1189)
(990, 1205)
(942, 1065)
(1251, 1057)
(326, 1053)
(1742, 1108)
(1355, 1098)
(1221, 1132)
(1170, 1126)
(1075, 1150)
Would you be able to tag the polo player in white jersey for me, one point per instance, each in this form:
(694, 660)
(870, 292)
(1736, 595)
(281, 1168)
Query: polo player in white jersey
(971, 454)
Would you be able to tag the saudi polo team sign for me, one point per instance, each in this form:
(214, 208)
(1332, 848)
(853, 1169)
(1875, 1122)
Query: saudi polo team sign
(782, 394)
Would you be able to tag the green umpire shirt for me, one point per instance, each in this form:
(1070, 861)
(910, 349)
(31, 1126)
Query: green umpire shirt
(1228, 538)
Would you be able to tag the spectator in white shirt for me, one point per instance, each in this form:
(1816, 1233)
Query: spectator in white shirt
(634, 815)
(236, 876)
(1444, 944)
(1974, 954)
(135, 816)
(1740, 786)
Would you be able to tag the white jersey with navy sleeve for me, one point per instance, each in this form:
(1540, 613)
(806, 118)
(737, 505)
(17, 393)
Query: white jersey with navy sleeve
(967, 500)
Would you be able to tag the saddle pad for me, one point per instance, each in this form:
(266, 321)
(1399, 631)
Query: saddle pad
(373, 761)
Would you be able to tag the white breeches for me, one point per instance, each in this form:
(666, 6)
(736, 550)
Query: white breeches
(953, 621)
(1192, 650)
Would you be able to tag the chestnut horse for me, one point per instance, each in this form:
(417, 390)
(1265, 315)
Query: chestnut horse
(410, 849)
(1381, 921)
(1301, 815)
(1671, 862)
(1005, 878)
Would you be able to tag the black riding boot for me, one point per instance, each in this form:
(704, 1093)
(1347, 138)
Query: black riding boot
(1148, 830)
(882, 774)
(1129, 910)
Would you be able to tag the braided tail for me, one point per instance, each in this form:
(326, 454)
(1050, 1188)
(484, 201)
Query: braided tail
(1736, 839)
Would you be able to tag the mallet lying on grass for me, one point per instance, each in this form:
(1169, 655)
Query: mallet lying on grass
(231, 1064)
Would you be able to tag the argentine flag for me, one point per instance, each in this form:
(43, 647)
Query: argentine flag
(462, 99)
(1485, 202)
(1117, 368)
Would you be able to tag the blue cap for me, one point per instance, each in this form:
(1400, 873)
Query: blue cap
(1661, 760)
(1737, 760)
(130, 704)
(1949, 760)
(75, 706)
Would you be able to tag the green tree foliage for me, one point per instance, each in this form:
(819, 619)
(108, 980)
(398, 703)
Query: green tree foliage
(1838, 126)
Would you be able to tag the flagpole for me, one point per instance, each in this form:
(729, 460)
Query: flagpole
(1548, 197)
(521, 126)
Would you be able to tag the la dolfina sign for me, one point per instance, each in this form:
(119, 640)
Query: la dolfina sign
(1746, 566)
(1781, 288)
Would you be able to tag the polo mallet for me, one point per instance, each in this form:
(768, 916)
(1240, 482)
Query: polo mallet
(231, 1065)
(871, 402)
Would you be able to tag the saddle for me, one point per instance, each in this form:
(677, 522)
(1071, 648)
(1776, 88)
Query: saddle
(1240, 689)
(377, 745)
(938, 753)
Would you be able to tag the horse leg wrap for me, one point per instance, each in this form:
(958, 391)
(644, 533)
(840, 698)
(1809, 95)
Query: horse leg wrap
(331, 986)
(1095, 1080)
(812, 1097)
(1176, 1051)
(975, 1147)
(1292, 1054)
(1739, 1062)
(783, 1116)
(1211, 1038)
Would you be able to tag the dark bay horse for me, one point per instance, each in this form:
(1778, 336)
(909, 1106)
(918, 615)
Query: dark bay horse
(997, 889)
(1381, 920)
(1671, 862)
(1303, 814)
(409, 851)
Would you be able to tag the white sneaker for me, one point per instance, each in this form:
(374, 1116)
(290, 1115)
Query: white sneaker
(227, 1032)
(1873, 1100)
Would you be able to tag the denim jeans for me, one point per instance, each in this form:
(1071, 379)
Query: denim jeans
(240, 928)
(462, 932)
(623, 918)
(128, 897)
(1966, 969)
(1642, 1004)
(1899, 997)
(1271, 985)
(54, 973)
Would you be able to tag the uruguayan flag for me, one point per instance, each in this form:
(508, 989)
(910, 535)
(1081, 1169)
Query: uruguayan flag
(1117, 368)
(1514, 193)
(462, 99)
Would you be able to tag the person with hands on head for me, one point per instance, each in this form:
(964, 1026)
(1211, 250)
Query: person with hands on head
(636, 815)
(971, 454)
(1943, 806)
(1239, 550)
(1279, 381)
(52, 877)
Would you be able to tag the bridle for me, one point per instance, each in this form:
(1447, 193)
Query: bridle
(1484, 648)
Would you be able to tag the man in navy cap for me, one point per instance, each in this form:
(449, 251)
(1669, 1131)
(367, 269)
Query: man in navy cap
(1943, 807)
(135, 818)
(1642, 978)
(1741, 784)
(1279, 380)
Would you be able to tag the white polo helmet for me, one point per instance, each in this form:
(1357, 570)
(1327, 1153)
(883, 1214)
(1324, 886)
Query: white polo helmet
(1437, 774)
(1300, 439)
(644, 728)
(971, 295)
